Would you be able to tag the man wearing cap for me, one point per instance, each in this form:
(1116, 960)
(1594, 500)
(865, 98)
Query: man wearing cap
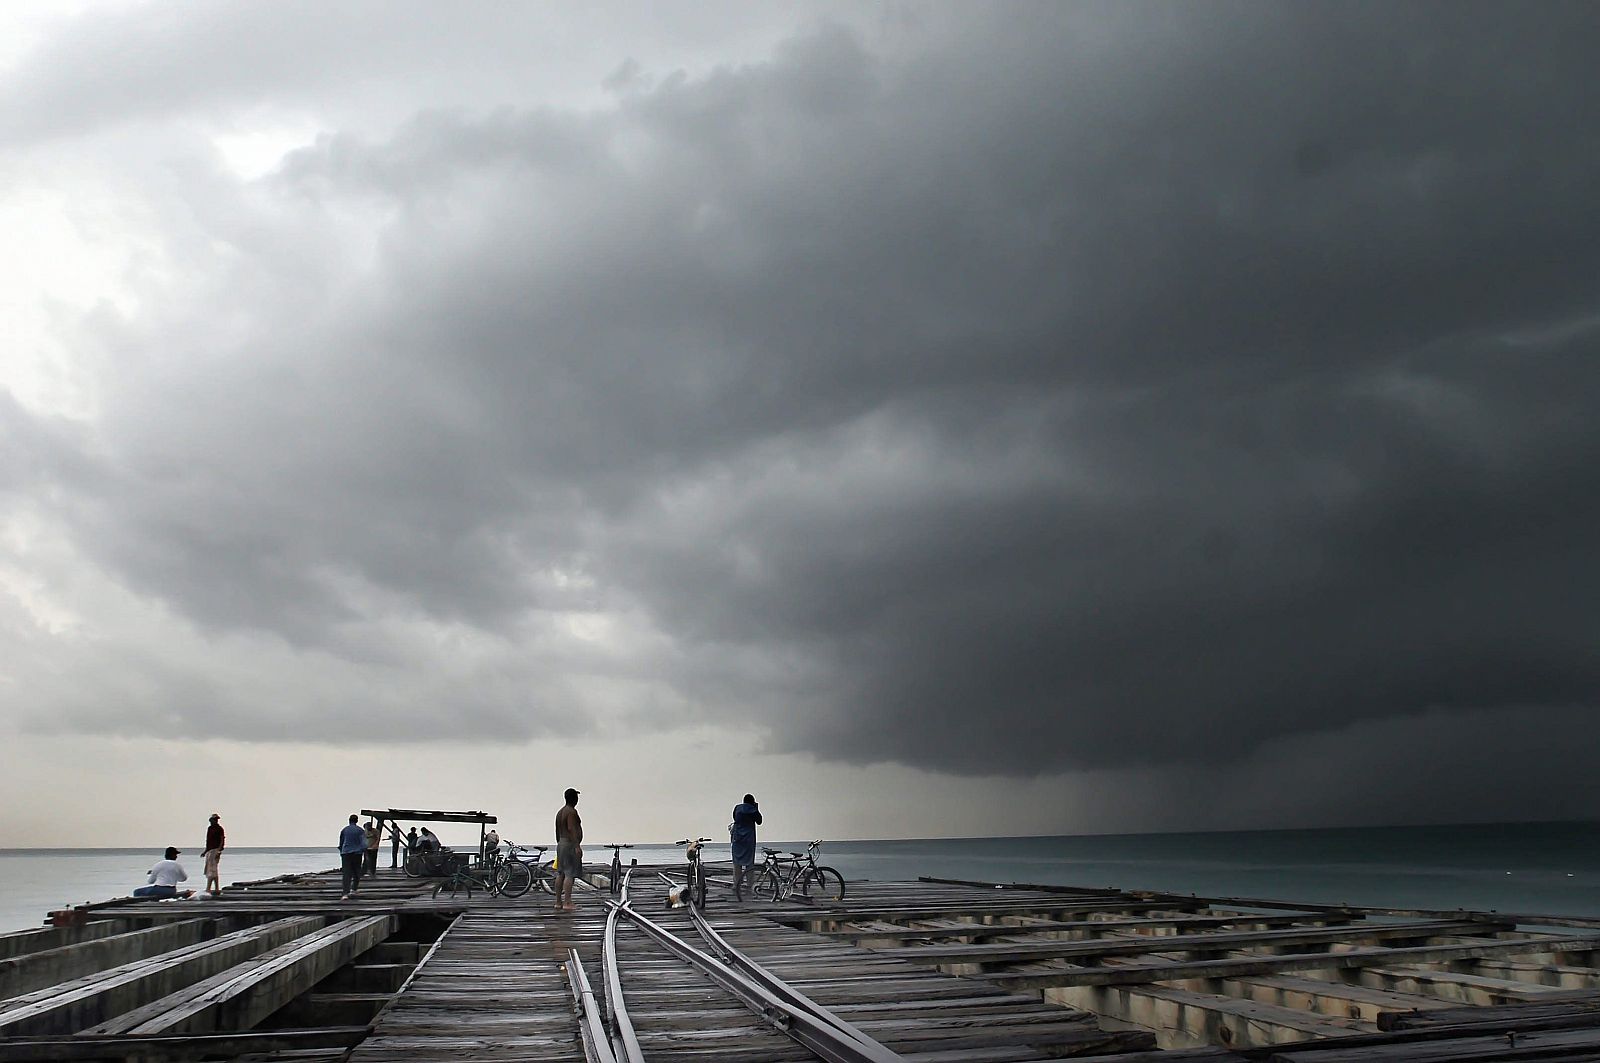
(216, 840)
(569, 851)
(164, 877)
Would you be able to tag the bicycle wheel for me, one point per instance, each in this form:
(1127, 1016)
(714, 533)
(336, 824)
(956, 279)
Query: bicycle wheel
(829, 883)
(699, 885)
(513, 878)
(766, 884)
(415, 866)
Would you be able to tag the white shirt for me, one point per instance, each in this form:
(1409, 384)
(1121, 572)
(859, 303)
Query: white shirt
(167, 873)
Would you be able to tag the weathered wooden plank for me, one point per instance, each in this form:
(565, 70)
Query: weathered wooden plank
(31, 1050)
(1577, 1009)
(1539, 1044)
(92, 999)
(1237, 967)
(1122, 946)
(25, 942)
(242, 996)
(23, 974)
(891, 932)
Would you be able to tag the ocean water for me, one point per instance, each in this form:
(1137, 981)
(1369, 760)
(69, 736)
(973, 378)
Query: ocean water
(1550, 868)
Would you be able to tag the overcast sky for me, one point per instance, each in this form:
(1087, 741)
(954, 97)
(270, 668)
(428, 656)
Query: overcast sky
(937, 419)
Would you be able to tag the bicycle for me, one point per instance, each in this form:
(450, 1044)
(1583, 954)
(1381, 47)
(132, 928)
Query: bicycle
(511, 876)
(525, 874)
(427, 863)
(695, 882)
(616, 866)
(803, 873)
(460, 877)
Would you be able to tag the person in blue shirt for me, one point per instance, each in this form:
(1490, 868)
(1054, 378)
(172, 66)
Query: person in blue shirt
(742, 835)
(352, 851)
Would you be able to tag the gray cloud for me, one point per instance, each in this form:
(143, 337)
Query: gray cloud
(1041, 388)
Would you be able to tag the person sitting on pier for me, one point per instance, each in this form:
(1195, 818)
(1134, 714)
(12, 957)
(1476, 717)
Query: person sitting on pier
(429, 842)
(164, 877)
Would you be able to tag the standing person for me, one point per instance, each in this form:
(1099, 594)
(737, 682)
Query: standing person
(216, 839)
(569, 851)
(374, 836)
(491, 844)
(411, 841)
(164, 877)
(352, 853)
(394, 844)
(742, 837)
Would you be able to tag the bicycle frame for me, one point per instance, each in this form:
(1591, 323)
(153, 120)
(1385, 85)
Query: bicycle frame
(695, 881)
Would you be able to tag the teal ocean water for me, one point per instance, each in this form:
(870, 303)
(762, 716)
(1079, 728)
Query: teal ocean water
(1551, 868)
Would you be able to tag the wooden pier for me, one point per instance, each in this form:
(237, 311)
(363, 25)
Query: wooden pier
(931, 970)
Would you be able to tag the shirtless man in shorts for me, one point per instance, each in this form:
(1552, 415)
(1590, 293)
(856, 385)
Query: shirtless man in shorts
(569, 851)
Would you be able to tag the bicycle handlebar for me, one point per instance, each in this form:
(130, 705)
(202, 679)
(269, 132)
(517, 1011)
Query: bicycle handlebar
(688, 841)
(628, 846)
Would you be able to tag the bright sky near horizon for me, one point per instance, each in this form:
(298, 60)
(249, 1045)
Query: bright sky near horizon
(938, 419)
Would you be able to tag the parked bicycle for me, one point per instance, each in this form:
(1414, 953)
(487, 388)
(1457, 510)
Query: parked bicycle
(528, 871)
(428, 863)
(802, 874)
(616, 865)
(695, 883)
(460, 877)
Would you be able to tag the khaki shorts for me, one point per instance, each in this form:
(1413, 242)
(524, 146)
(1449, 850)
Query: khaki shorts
(213, 857)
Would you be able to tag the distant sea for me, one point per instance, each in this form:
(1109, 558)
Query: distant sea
(1548, 868)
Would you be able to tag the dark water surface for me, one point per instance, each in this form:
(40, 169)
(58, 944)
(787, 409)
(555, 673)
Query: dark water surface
(1510, 867)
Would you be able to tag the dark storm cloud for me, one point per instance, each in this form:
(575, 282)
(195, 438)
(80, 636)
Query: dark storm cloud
(1084, 386)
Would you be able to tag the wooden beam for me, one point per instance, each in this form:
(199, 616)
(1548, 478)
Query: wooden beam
(1572, 1009)
(804, 916)
(94, 998)
(244, 995)
(894, 932)
(1182, 1018)
(1239, 967)
(418, 815)
(23, 974)
(27, 942)
(35, 1050)
(1574, 1045)
(1123, 946)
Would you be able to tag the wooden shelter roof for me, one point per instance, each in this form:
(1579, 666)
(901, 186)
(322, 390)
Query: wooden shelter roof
(421, 815)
